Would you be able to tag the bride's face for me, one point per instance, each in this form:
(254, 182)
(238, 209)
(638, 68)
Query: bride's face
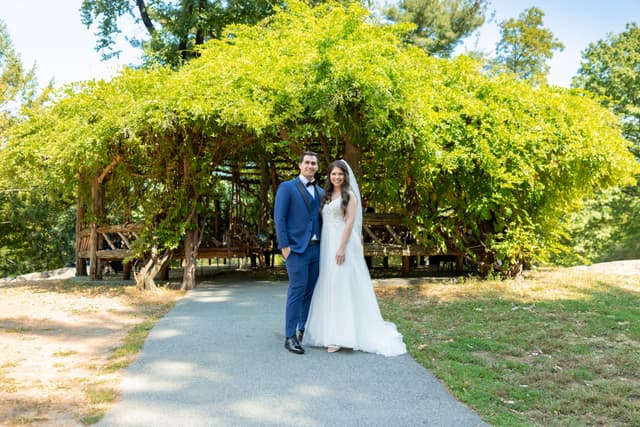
(337, 177)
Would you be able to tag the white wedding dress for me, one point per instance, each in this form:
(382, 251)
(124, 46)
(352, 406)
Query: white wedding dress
(344, 309)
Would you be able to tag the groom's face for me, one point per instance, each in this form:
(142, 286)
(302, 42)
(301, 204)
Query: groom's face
(309, 167)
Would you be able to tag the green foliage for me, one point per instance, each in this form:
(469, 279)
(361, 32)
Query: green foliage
(607, 227)
(17, 85)
(502, 162)
(440, 24)
(526, 45)
(36, 232)
(487, 165)
(173, 30)
(36, 227)
(609, 69)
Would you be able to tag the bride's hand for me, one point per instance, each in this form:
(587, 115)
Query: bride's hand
(340, 256)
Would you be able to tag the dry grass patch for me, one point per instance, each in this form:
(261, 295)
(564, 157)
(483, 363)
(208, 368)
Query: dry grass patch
(61, 336)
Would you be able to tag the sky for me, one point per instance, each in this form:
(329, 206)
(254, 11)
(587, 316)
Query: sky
(576, 23)
(49, 34)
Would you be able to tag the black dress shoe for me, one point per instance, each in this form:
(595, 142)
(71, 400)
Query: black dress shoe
(293, 345)
(300, 335)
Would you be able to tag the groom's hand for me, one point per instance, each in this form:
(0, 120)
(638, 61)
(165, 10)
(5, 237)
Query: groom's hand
(286, 251)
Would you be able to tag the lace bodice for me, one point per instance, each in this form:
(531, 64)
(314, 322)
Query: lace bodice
(332, 211)
(344, 309)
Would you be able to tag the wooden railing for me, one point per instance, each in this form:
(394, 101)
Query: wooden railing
(116, 241)
(383, 235)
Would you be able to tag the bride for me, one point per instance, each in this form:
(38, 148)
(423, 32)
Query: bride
(344, 310)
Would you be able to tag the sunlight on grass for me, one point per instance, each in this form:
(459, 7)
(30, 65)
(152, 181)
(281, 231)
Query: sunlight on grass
(17, 330)
(546, 285)
(8, 384)
(556, 348)
(64, 353)
(98, 393)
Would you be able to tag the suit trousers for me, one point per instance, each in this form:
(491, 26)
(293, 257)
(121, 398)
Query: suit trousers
(303, 272)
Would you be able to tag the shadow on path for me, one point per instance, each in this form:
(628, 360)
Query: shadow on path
(217, 359)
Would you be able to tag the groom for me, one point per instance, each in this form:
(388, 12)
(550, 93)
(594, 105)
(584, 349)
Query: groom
(297, 221)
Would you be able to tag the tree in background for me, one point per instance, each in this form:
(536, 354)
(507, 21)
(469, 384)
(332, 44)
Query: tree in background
(609, 226)
(440, 24)
(610, 69)
(526, 46)
(173, 29)
(17, 84)
(36, 227)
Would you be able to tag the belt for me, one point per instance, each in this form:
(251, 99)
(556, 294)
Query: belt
(314, 242)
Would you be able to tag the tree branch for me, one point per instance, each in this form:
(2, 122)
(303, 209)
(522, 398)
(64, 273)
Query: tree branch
(144, 14)
(108, 169)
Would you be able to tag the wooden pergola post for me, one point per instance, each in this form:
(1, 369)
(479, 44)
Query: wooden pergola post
(81, 266)
(96, 207)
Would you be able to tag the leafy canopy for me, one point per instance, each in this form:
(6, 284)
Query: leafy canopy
(609, 227)
(35, 226)
(610, 69)
(490, 165)
(171, 30)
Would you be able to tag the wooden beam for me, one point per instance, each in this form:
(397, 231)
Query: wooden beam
(374, 238)
(393, 233)
(125, 240)
(108, 169)
(109, 242)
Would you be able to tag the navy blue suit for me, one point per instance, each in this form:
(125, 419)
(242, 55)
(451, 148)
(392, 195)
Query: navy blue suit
(297, 219)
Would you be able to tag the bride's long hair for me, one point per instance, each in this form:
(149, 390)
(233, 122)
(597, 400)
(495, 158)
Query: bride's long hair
(328, 186)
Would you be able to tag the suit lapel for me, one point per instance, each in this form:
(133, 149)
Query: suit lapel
(304, 193)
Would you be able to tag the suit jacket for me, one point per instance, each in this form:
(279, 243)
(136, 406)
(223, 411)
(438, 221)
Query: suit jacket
(293, 215)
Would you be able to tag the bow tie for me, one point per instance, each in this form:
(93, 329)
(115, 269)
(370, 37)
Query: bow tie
(310, 183)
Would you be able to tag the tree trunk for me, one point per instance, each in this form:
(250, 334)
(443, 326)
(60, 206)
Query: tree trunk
(93, 253)
(144, 15)
(190, 259)
(81, 266)
(145, 279)
(96, 241)
(352, 155)
(126, 270)
(194, 230)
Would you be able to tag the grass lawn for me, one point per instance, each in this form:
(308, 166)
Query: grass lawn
(560, 347)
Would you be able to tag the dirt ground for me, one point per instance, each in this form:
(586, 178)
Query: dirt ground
(624, 268)
(57, 342)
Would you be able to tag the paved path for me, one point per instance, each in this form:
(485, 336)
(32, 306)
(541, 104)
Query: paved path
(217, 359)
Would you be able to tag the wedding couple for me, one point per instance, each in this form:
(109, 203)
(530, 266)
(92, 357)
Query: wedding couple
(330, 299)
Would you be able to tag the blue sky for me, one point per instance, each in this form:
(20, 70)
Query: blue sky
(49, 33)
(576, 23)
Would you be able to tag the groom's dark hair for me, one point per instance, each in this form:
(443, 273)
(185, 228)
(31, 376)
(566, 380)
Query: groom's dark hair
(308, 153)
